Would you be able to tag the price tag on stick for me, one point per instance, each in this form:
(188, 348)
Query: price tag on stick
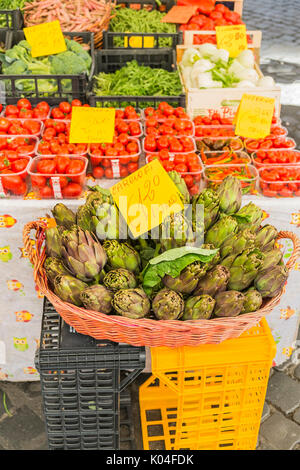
(146, 197)
(232, 38)
(45, 39)
(254, 116)
(92, 125)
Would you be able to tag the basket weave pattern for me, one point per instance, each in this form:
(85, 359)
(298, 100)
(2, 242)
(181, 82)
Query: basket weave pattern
(146, 332)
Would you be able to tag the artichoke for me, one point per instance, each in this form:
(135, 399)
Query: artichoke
(221, 231)
(84, 213)
(237, 243)
(188, 279)
(121, 255)
(244, 269)
(106, 221)
(131, 303)
(83, 254)
(266, 237)
(97, 298)
(210, 202)
(215, 281)
(168, 305)
(53, 267)
(272, 258)
(64, 216)
(181, 186)
(252, 301)
(228, 303)
(53, 242)
(249, 216)
(68, 289)
(230, 195)
(269, 282)
(216, 258)
(175, 231)
(198, 307)
(117, 279)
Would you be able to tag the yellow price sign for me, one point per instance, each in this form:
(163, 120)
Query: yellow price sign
(146, 197)
(92, 125)
(45, 39)
(232, 38)
(254, 116)
(137, 41)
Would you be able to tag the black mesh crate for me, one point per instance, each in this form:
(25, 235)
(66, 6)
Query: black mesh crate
(110, 60)
(64, 87)
(11, 19)
(83, 384)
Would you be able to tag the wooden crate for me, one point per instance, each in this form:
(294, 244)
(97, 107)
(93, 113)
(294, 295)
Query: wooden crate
(255, 44)
(225, 101)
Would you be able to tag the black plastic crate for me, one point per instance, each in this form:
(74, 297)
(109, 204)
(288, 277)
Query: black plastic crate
(11, 19)
(78, 84)
(110, 60)
(83, 384)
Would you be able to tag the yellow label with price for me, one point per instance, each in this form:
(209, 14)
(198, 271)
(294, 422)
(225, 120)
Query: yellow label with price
(45, 39)
(146, 197)
(92, 125)
(137, 41)
(232, 38)
(254, 116)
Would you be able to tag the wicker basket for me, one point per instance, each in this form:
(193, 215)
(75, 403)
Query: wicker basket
(146, 332)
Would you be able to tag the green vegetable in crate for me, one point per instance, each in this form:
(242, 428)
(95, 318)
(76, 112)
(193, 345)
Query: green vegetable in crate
(137, 80)
(198, 307)
(233, 246)
(97, 298)
(216, 280)
(229, 303)
(210, 202)
(230, 195)
(252, 301)
(83, 254)
(244, 269)
(128, 20)
(117, 279)
(181, 186)
(187, 280)
(64, 216)
(168, 305)
(221, 231)
(53, 267)
(121, 255)
(131, 303)
(272, 258)
(68, 289)
(249, 216)
(175, 231)
(53, 242)
(266, 237)
(270, 281)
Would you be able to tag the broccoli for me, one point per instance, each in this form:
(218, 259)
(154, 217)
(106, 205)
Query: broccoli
(74, 46)
(16, 68)
(67, 63)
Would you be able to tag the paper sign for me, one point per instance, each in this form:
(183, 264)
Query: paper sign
(232, 38)
(146, 197)
(254, 117)
(137, 41)
(179, 14)
(92, 125)
(45, 39)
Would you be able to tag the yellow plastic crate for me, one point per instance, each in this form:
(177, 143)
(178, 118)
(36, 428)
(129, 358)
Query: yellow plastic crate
(207, 397)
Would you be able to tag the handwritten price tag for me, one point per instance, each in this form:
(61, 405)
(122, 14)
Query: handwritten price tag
(45, 39)
(254, 116)
(92, 125)
(137, 41)
(146, 197)
(232, 38)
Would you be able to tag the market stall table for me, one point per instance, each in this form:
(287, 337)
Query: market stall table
(21, 303)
